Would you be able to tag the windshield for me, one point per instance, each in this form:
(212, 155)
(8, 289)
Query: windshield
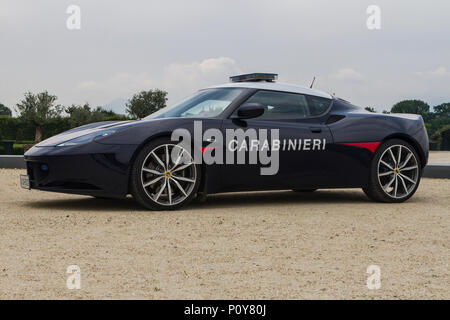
(203, 104)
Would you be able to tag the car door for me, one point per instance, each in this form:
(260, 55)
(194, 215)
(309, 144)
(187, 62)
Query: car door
(298, 120)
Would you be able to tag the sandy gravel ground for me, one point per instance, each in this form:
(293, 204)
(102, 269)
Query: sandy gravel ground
(257, 245)
(439, 157)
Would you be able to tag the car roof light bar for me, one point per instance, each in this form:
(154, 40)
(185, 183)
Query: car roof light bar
(269, 77)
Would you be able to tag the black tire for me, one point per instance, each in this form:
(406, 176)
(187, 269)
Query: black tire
(136, 186)
(374, 190)
(304, 190)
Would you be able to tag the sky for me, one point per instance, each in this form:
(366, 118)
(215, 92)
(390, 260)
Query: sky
(123, 47)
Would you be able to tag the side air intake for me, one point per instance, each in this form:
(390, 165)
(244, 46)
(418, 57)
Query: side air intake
(334, 118)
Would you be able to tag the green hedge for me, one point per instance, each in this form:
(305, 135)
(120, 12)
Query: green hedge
(442, 136)
(25, 141)
(14, 129)
(17, 149)
(8, 128)
(55, 126)
(23, 133)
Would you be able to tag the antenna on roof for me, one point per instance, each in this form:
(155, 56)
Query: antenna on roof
(312, 83)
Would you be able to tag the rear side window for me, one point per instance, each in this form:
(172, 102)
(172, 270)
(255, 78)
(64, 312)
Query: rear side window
(281, 105)
(318, 105)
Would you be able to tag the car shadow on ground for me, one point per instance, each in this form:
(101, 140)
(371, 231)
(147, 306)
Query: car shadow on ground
(85, 204)
(216, 201)
(275, 198)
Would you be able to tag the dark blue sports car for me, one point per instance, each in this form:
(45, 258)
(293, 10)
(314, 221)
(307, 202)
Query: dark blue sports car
(250, 134)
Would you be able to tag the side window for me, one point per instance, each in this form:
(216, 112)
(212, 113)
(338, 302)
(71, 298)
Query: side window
(318, 105)
(281, 105)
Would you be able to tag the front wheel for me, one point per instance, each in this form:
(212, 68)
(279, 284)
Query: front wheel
(395, 172)
(164, 176)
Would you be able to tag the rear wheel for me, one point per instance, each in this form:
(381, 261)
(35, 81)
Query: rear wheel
(395, 172)
(164, 176)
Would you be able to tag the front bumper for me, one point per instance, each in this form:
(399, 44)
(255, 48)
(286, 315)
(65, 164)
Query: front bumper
(91, 169)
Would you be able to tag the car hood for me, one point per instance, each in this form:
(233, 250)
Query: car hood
(83, 130)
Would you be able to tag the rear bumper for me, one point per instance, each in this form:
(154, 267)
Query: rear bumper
(78, 171)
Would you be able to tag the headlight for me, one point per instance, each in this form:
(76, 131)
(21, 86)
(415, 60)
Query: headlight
(86, 138)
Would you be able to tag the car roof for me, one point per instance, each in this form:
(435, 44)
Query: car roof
(276, 86)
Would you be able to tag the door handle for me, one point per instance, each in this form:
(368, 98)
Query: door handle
(315, 129)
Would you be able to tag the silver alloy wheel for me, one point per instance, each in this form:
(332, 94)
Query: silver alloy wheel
(398, 171)
(168, 174)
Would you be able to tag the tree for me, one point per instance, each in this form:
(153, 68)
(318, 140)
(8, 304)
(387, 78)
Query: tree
(5, 111)
(38, 109)
(80, 115)
(107, 113)
(370, 109)
(146, 102)
(412, 106)
(439, 118)
(442, 110)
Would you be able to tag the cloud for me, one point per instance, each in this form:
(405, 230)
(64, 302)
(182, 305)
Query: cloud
(438, 72)
(347, 74)
(178, 79)
(87, 84)
(183, 78)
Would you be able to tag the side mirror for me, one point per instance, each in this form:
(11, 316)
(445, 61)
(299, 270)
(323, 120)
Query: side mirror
(250, 110)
